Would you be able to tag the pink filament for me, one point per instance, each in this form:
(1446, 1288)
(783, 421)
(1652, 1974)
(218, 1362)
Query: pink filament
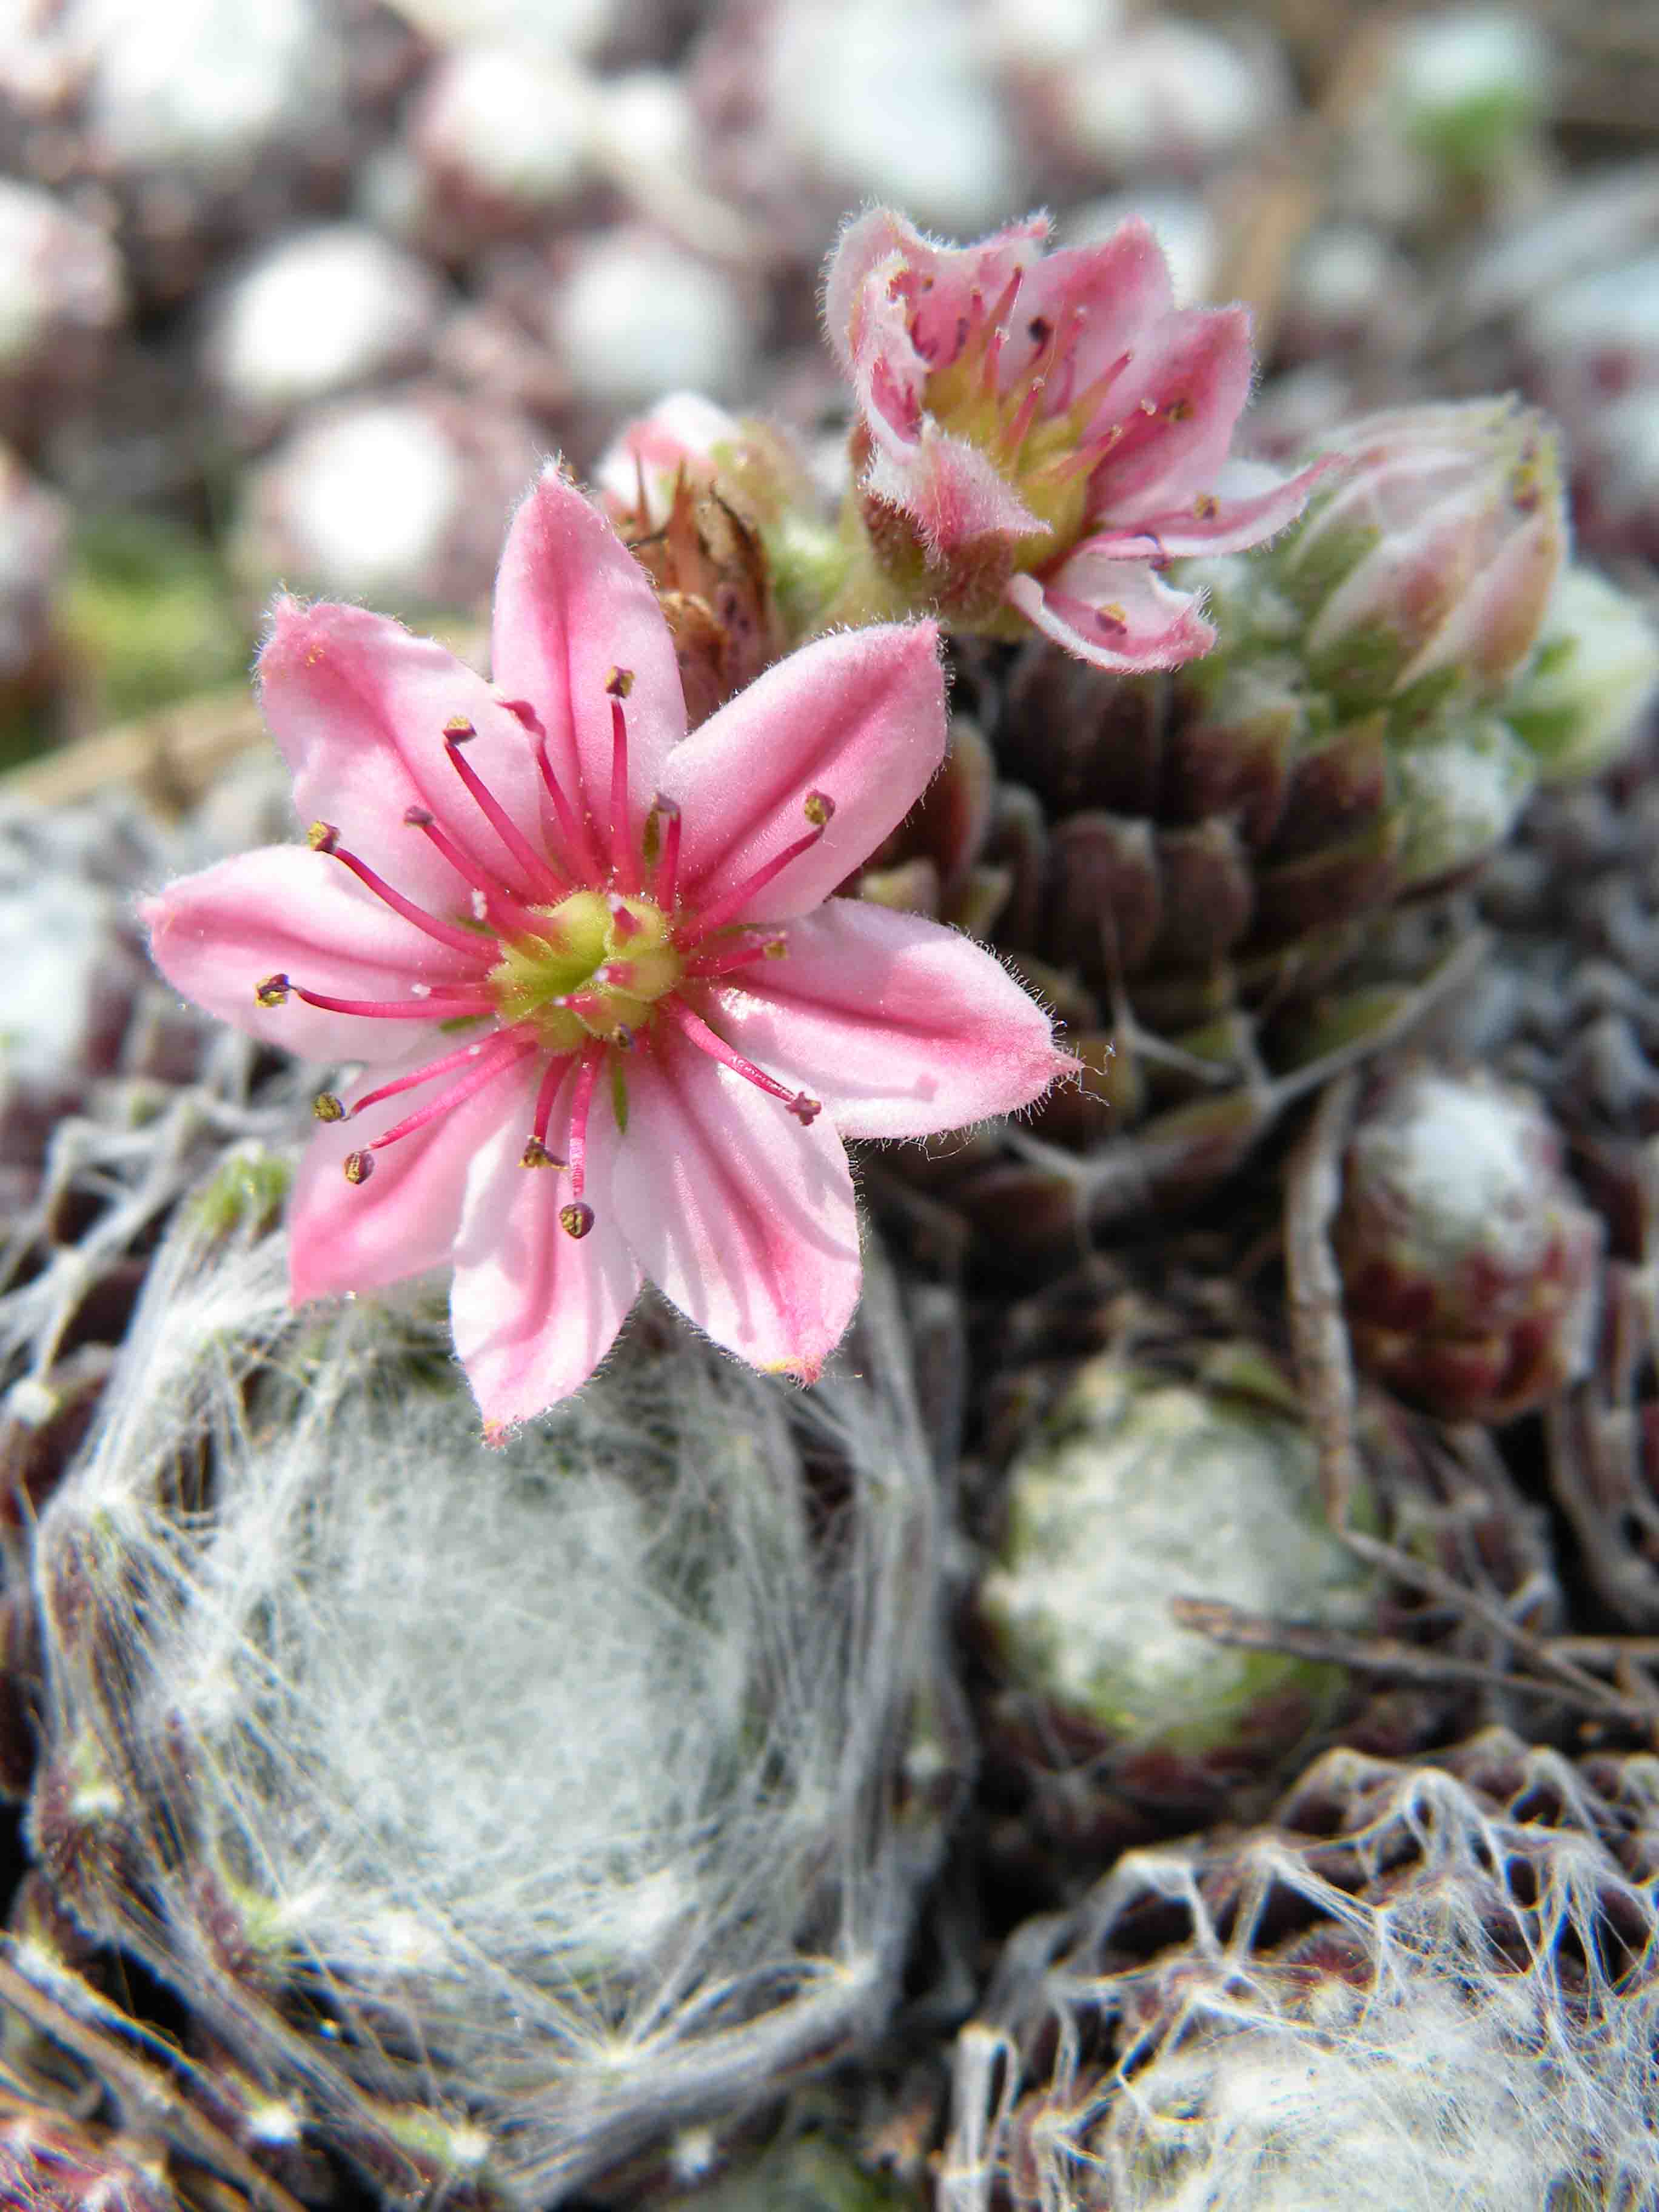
(546, 883)
(444, 931)
(668, 861)
(732, 902)
(466, 1055)
(509, 1051)
(506, 913)
(579, 845)
(441, 1005)
(696, 1032)
(552, 1076)
(621, 848)
(580, 1105)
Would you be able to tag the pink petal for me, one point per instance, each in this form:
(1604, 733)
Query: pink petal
(571, 603)
(1116, 613)
(403, 1219)
(858, 716)
(286, 910)
(358, 706)
(1250, 503)
(533, 1310)
(900, 1026)
(1197, 363)
(743, 1217)
(950, 491)
(867, 304)
(939, 285)
(1122, 286)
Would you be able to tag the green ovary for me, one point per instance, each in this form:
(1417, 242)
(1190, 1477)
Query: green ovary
(631, 939)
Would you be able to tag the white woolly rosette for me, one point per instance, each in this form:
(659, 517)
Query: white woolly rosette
(1420, 1988)
(502, 1808)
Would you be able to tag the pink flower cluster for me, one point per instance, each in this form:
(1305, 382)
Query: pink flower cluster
(616, 1025)
(1039, 433)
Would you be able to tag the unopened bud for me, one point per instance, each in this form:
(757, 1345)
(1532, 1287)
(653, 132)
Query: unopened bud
(1435, 551)
(1470, 1264)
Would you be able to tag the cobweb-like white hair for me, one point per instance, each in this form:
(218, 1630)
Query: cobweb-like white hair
(511, 1806)
(1451, 2001)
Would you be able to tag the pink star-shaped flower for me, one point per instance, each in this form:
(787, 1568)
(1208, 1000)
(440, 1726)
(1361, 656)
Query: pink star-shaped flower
(1048, 429)
(617, 1026)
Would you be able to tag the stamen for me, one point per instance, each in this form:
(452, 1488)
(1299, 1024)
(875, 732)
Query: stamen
(466, 1055)
(1022, 419)
(509, 1051)
(503, 912)
(439, 1005)
(578, 844)
(622, 844)
(666, 814)
(535, 1153)
(819, 810)
(550, 883)
(324, 837)
(696, 1032)
(723, 962)
(582, 1104)
(273, 992)
(327, 1107)
(358, 1166)
(994, 326)
(525, 714)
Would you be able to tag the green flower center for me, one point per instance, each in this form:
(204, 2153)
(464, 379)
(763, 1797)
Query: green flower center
(595, 969)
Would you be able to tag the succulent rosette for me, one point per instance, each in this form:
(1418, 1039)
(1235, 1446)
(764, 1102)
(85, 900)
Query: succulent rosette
(1202, 869)
(616, 1025)
(1038, 434)
(1416, 1985)
(1470, 1263)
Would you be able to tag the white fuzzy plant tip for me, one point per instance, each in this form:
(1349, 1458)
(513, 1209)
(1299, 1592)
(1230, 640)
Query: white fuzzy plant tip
(1419, 1987)
(507, 1808)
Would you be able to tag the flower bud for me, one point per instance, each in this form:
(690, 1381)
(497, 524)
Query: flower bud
(1471, 1266)
(1590, 680)
(706, 502)
(1434, 553)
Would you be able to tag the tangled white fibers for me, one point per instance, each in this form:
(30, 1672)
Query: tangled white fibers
(500, 1809)
(1448, 1996)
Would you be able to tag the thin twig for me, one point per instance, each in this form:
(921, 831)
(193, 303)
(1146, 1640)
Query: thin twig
(1383, 1655)
(1319, 1334)
(1435, 1582)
